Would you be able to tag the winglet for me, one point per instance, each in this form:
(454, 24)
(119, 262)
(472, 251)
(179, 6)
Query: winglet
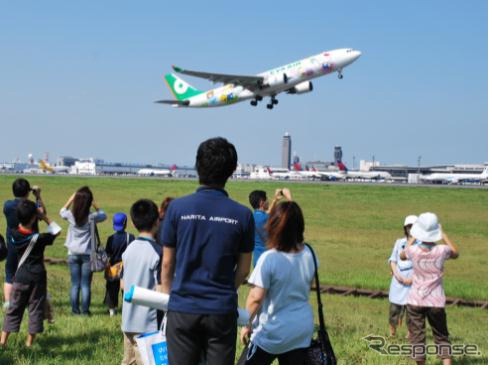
(177, 69)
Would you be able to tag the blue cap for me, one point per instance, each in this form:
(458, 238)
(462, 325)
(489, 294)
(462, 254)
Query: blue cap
(119, 221)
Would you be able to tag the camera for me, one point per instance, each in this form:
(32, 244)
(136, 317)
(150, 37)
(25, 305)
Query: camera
(36, 190)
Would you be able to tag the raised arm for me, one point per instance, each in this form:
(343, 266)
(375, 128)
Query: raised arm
(69, 202)
(454, 249)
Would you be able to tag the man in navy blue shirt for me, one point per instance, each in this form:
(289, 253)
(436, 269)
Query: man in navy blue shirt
(21, 189)
(208, 240)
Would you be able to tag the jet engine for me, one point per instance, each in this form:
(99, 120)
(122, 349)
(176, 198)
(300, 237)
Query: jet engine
(303, 87)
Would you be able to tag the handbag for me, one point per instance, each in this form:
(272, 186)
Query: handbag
(320, 351)
(98, 258)
(152, 346)
(113, 273)
(3, 248)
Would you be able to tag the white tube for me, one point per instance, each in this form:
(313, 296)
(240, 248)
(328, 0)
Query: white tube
(156, 300)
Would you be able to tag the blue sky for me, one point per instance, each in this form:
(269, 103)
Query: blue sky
(80, 78)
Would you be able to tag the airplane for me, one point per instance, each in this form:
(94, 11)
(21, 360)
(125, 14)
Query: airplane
(154, 172)
(367, 175)
(293, 78)
(452, 178)
(57, 169)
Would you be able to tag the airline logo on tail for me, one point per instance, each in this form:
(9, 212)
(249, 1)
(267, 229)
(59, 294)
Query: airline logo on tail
(341, 166)
(179, 88)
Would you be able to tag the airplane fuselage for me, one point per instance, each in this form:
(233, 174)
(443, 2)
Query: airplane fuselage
(291, 78)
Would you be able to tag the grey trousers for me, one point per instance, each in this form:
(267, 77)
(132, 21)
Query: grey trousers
(31, 296)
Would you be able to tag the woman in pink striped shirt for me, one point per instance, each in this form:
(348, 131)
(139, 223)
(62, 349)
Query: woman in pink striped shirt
(426, 299)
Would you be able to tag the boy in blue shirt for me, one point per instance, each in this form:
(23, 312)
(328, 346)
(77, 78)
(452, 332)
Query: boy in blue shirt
(261, 209)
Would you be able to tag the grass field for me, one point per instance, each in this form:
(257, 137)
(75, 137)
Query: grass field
(352, 227)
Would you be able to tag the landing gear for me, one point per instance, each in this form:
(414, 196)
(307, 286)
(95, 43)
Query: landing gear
(255, 101)
(273, 101)
(340, 75)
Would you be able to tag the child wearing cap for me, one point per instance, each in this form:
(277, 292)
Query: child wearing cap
(401, 278)
(426, 299)
(115, 246)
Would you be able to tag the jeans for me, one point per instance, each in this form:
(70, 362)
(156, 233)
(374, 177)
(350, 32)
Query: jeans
(81, 278)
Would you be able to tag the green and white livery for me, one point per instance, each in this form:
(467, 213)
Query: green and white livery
(294, 78)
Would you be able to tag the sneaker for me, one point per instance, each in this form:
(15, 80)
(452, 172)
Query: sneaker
(112, 312)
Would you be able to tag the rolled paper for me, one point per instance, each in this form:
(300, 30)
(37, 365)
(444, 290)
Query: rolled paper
(148, 298)
(156, 300)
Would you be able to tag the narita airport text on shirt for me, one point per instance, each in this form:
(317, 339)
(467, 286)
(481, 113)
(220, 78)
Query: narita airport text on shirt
(211, 218)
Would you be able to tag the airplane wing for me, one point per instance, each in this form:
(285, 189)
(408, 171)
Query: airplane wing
(247, 81)
(174, 102)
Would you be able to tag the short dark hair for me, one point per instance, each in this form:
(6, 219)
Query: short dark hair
(255, 197)
(406, 230)
(144, 214)
(285, 226)
(216, 160)
(26, 210)
(21, 187)
(82, 203)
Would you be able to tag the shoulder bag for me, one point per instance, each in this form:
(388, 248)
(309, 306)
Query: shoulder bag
(28, 250)
(99, 258)
(320, 351)
(114, 272)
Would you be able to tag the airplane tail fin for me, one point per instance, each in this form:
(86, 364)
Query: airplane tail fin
(341, 166)
(179, 88)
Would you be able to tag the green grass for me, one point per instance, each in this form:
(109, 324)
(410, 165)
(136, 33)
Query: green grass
(352, 227)
(98, 339)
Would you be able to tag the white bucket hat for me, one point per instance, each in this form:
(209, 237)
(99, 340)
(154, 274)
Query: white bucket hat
(410, 220)
(427, 228)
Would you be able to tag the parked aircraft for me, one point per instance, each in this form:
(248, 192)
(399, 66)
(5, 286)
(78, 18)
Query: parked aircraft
(154, 172)
(365, 175)
(57, 169)
(453, 178)
(293, 78)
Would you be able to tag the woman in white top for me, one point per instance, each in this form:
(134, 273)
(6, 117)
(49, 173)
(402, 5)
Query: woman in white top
(78, 243)
(281, 324)
(401, 280)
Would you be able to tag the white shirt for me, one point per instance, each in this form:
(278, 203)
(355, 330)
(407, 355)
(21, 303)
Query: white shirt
(398, 292)
(285, 320)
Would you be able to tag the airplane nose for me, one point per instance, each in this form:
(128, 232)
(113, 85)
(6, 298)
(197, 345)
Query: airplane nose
(357, 54)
